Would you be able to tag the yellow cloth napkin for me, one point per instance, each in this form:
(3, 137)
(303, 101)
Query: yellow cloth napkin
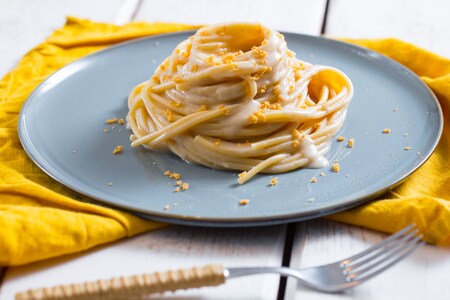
(424, 198)
(39, 218)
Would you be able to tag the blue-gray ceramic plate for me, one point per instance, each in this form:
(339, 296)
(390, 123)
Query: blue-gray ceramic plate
(62, 126)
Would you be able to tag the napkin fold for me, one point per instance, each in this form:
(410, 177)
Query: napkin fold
(40, 218)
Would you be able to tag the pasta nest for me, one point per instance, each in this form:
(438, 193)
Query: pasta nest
(233, 96)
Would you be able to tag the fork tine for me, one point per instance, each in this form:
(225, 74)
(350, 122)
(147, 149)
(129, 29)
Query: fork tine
(379, 245)
(383, 251)
(385, 256)
(414, 245)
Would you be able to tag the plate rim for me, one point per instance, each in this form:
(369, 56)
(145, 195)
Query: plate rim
(166, 216)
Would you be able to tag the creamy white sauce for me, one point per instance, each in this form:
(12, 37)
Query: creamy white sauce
(237, 121)
(309, 150)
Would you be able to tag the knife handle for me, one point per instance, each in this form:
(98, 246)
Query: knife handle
(131, 286)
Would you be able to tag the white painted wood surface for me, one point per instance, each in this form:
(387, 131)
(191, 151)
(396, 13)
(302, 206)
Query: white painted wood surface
(290, 15)
(25, 23)
(169, 248)
(423, 275)
(423, 22)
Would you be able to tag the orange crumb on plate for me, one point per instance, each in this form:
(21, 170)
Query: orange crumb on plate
(111, 121)
(244, 201)
(273, 181)
(118, 149)
(175, 175)
(351, 143)
(336, 167)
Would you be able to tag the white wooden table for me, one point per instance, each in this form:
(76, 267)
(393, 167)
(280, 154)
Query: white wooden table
(25, 23)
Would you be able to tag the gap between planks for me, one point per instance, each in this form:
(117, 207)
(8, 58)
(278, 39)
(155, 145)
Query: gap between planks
(127, 11)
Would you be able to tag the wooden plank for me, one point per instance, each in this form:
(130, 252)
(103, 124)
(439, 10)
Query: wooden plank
(287, 15)
(126, 11)
(423, 275)
(169, 248)
(290, 15)
(160, 250)
(424, 23)
(24, 23)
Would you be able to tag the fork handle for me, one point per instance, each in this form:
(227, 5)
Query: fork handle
(131, 286)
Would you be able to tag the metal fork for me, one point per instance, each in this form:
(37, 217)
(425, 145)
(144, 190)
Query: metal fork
(351, 271)
(334, 277)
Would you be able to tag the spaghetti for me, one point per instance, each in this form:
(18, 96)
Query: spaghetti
(233, 96)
